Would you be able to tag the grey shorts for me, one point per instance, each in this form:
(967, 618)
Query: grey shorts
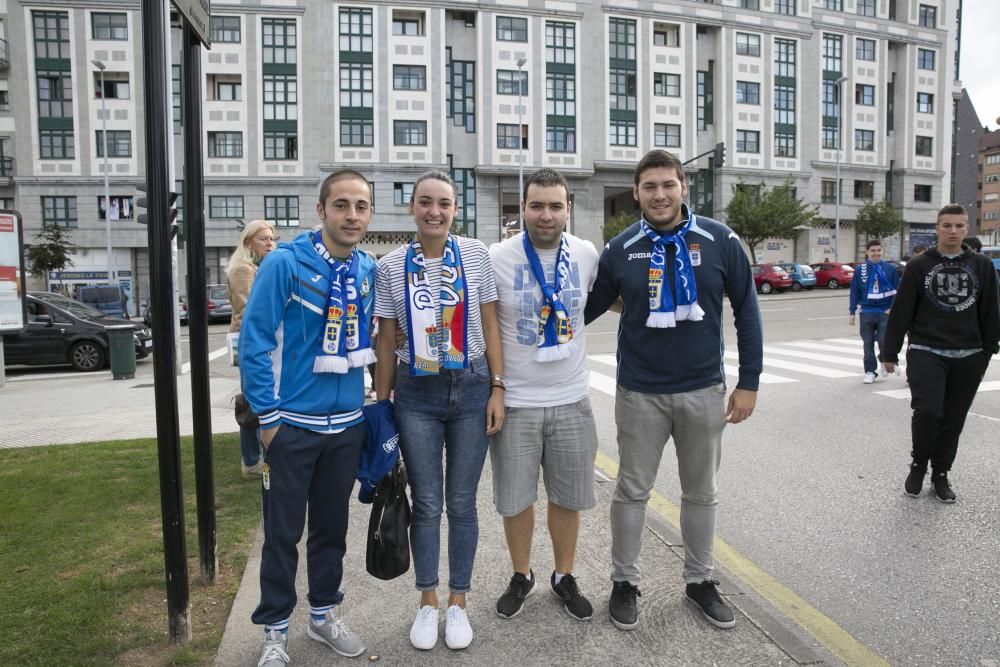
(562, 440)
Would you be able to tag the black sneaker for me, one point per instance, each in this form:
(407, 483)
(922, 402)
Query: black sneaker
(706, 597)
(942, 489)
(574, 603)
(915, 480)
(511, 602)
(623, 606)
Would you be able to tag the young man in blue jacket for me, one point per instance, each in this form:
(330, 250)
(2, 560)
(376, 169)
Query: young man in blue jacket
(873, 288)
(304, 345)
(671, 269)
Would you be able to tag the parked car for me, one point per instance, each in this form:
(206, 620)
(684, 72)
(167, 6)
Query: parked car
(833, 274)
(147, 312)
(802, 275)
(60, 330)
(109, 299)
(219, 308)
(770, 277)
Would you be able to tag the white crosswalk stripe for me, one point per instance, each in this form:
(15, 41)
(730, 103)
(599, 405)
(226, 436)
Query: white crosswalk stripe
(992, 385)
(801, 368)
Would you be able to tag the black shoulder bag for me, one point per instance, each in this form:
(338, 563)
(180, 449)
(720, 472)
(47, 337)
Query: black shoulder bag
(388, 528)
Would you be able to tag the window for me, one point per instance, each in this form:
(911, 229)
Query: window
(402, 193)
(993, 178)
(357, 132)
(993, 159)
(925, 59)
(666, 34)
(356, 30)
(56, 144)
(704, 98)
(109, 26)
(991, 197)
(409, 132)
(928, 16)
(507, 82)
(925, 103)
(560, 139)
(622, 94)
(864, 49)
(231, 91)
(864, 189)
(59, 211)
(4, 101)
(622, 133)
(786, 7)
(831, 100)
(750, 4)
(282, 211)
(784, 105)
(834, 5)
(281, 145)
(785, 57)
(114, 86)
(51, 32)
(925, 146)
(666, 85)
(560, 43)
(747, 92)
(55, 95)
(356, 85)
(225, 144)
(510, 29)
(830, 138)
(461, 92)
(991, 215)
(747, 44)
(866, 7)
(864, 94)
(784, 144)
(119, 143)
(666, 135)
(409, 77)
(828, 191)
(864, 140)
(832, 53)
(465, 206)
(560, 94)
(747, 141)
(225, 29)
(175, 89)
(407, 24)
(280, 97)
(509, 136)
(225, 207)
(621, 42)
(279, 41)
(922, 193)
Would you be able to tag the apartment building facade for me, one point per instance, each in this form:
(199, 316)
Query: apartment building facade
(297, 90)
(988, 185)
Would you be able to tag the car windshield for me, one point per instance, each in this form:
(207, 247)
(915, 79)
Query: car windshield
(69, 305)
(847, 267)
(806, 269)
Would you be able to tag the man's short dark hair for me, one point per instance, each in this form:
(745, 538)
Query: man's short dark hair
(337, 176)
(919, 249)
(545, 178)
(974, 243)
(951, 209)
(657, 158)
(873, 242)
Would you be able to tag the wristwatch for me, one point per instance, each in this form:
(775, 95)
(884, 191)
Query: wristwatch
(498, 381)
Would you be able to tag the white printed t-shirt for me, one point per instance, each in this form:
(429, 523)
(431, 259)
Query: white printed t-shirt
(530, 383)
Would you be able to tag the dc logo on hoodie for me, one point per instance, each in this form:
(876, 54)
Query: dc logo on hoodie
(390, 444)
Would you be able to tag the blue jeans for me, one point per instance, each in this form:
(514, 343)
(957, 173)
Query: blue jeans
(443, 417)
(872, 331)
(250, 445)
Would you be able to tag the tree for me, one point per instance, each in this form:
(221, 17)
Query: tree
(51, 253)
(615, 225)
(877, 220)
(757, 212)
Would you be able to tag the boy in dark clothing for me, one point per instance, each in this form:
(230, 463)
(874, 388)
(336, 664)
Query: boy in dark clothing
(948, 303)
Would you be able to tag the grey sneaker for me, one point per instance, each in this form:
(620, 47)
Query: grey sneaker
(252, 472)
(332, 632)
(274, 651)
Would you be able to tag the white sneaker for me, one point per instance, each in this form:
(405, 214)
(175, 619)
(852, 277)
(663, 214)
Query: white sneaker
(424, 631)
(869, 378)
(457, 631)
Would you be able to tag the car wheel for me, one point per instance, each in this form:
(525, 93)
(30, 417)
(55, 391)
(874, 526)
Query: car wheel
(87, 355)
(765, 288)
(796, 287)
(833, 284)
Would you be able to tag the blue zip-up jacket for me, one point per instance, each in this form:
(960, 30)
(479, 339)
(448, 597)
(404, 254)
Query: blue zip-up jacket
(280, 338)
(859, 287)
(690, 355)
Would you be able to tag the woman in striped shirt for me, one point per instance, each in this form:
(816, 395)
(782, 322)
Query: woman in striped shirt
(439, 291)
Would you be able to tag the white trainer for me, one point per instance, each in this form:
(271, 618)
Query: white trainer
(869, 378)
(457, 631)
(424, 631)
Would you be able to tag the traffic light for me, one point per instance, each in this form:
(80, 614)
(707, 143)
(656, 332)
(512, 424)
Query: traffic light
(143, 218)
(720, 155)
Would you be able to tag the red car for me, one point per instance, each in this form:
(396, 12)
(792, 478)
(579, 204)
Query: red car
(770, 277)
(833, 274)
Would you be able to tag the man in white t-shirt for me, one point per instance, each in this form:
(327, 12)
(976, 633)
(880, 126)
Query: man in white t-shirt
(549, 423)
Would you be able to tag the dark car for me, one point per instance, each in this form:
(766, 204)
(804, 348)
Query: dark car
(770, 278)
(147, 312)
(63, 331)
(833, 274)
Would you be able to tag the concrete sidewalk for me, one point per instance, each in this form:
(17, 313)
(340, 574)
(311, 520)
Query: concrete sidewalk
(671, 630)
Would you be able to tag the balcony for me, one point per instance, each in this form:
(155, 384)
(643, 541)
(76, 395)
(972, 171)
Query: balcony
(6, 170)
(4, 63)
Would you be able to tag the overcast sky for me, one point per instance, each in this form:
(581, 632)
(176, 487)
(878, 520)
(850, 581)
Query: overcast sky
(980, 65)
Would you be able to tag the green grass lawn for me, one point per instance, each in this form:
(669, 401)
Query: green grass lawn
(81, 552)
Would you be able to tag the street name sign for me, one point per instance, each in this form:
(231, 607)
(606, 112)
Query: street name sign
(196, 13)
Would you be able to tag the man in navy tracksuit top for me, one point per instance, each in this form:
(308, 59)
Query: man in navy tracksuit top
(873, 288)
(311, 422)
(671, 270)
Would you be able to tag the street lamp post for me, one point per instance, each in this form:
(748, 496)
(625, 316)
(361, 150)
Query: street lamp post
(840, 141)
(107, 189)
(520, 142)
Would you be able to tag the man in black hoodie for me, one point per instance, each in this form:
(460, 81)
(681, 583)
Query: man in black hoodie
(947, 302)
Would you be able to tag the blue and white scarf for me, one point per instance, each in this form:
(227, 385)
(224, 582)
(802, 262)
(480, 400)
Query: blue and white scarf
(346, 341)
(555, 330)
(667, 307)
(877, 286)
(432, 348)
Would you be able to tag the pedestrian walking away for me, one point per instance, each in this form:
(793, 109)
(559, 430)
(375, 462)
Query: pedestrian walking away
(256, 241)
(671, 269)
(439, 290)
(948, 306)
(305, 330)
(543, 276)
(873, 289)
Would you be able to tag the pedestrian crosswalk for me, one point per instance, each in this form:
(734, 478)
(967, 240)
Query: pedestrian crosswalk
(789, 362)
